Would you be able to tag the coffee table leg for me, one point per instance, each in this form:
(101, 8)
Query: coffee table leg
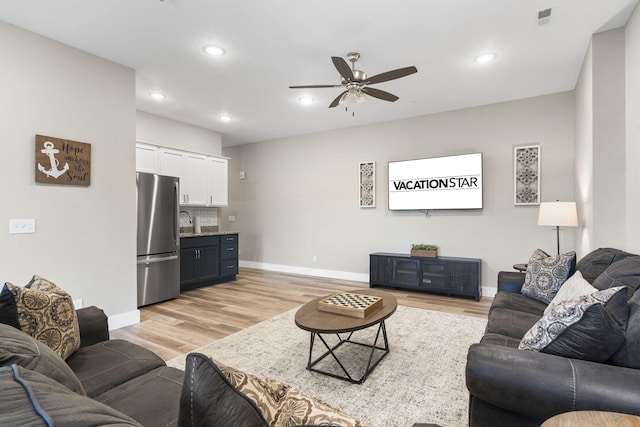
(330, 351)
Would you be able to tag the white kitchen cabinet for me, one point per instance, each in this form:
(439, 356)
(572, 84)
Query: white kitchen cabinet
(196, 187)
(172, 164)
(218, 180)
(147, 158)
(203, 179)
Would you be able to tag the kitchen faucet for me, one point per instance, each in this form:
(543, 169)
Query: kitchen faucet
(188, 214)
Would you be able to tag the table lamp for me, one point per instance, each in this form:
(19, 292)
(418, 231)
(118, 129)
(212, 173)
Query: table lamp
(558, 214)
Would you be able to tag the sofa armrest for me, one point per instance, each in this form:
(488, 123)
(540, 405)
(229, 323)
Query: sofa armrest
(540, 385)
(93, 324)
(510, 281)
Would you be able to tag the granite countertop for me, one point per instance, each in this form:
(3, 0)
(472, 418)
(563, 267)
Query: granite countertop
(206, 230)
(206, 233)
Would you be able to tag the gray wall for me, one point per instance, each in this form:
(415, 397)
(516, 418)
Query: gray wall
(85, 239)
(632, 100)
(165, 132)
(299, 198)
(600, 144)
(607, 99)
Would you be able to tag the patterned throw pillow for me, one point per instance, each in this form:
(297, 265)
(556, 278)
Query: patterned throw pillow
(285, 406)
(46, 312)
(580, 328)
(575, 286)
(545, 274)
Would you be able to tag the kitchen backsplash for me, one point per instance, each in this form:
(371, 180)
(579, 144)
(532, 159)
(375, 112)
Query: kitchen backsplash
(208, 216)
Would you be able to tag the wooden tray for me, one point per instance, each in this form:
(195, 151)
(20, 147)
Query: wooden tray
(350, 304)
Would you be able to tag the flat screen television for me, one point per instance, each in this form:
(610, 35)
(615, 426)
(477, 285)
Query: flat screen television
(451, 182)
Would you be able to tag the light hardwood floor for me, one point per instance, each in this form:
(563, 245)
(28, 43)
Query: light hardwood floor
(201, 316)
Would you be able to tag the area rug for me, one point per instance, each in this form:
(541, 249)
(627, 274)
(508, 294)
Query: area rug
(421, 380)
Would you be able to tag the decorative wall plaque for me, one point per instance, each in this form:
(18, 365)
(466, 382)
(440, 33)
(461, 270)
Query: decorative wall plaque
(526, 170)
(61, 161)
(367, 184)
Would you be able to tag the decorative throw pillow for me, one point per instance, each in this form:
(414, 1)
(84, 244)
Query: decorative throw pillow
(213, 391)
(575, 286)
(545, 274)
(8, 309)
(283, 405)
(580, 328)
(46, 312)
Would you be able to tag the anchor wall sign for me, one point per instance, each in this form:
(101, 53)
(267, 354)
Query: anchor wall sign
(61, 161)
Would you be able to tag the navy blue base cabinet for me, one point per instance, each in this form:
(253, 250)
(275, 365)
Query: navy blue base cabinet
(443, 275)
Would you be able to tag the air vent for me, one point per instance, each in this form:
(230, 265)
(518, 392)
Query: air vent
(544, 16)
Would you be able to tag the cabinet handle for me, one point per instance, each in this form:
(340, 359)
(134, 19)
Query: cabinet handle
(231, 249)
(210, 199)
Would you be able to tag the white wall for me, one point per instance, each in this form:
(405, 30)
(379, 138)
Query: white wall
(300, 195)
(85, 239)
(632, 99)
(165, 132)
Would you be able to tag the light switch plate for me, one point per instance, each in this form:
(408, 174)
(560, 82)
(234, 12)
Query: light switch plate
(18, 226)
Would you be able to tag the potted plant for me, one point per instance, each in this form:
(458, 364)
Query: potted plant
(425, 251)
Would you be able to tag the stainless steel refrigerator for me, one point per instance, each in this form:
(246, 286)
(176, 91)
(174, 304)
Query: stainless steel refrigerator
(158, 238)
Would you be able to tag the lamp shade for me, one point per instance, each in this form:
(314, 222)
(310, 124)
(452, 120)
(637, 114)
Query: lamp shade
(563, 214)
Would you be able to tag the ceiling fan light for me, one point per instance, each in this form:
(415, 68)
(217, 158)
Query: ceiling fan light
(305, 100)
(353, 96)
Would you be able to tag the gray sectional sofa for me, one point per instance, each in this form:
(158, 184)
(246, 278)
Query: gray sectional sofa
(595, 368)
(118, 383)
(105, 381)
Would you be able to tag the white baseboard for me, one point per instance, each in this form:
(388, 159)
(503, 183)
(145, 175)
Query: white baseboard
(489, 292)
(305, 271)
(117, 321)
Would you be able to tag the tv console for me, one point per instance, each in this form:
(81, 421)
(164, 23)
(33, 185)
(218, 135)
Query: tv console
(443, 275)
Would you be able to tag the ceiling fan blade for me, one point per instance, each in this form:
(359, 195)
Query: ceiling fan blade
(391, 75)
(312, 86)
(380, 94)
(342, 67)
(336, 101)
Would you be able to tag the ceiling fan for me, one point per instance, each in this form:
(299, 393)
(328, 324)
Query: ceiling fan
(356, 83)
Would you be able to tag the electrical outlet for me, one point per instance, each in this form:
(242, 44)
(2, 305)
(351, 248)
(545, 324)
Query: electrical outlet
(315, 259)
(18, 226)
(232, 218)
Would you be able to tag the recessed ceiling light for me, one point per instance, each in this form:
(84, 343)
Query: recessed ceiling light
(486, 57)
(157, 95)
(214, 50)
(225, 118)
(305, 100)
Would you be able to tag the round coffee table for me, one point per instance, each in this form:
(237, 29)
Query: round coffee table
(309, 318)
(592, 418)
